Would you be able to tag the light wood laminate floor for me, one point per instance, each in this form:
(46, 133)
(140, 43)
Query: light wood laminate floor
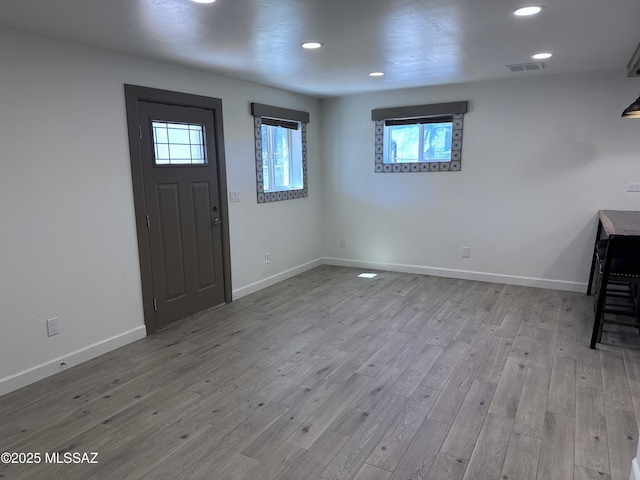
(331, 376)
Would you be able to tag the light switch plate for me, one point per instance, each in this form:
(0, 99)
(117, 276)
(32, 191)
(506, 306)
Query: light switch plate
(52, 327)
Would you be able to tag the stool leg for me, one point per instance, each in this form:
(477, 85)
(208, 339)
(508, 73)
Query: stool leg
(597, 323)
(597, 281)
(602, 294)
(593, 258)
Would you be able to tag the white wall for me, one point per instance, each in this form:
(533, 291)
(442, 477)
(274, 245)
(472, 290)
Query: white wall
(540, 156)
(68, 241)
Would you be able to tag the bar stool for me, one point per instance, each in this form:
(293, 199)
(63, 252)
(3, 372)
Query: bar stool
(617, 278)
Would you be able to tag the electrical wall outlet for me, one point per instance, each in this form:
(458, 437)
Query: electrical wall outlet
(343, 243)
(466, 252)
(52, 327)
(267, 259)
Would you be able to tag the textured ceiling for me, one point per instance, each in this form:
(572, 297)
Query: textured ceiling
(415, 42)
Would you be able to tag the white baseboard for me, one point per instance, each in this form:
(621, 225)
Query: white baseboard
(31, 375)
(267, 282)
(635, 470)
(462, 274)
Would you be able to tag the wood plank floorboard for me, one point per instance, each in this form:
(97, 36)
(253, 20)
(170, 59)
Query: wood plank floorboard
(521, 461)
(328, 376)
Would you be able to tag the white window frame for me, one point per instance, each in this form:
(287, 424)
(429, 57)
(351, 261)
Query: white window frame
(294, 160)
(287, 118)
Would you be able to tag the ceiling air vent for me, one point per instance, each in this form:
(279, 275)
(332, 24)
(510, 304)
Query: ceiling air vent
(525, 67)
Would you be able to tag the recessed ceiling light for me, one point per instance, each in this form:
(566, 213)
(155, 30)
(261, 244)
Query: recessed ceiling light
(376, 74)
(542, 56)
(311, 45)
(526, 11)
(203, 1)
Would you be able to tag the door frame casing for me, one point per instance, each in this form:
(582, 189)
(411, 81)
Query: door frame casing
(133, 95)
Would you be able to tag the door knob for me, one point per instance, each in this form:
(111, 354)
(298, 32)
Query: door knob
(216, 221)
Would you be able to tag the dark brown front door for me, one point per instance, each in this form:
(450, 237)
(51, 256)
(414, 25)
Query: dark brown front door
(182, 208)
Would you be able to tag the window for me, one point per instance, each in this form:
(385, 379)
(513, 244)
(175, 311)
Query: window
(423, 138)
(178, 144)
(281, 153)
(418, 140)
(281, 157)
